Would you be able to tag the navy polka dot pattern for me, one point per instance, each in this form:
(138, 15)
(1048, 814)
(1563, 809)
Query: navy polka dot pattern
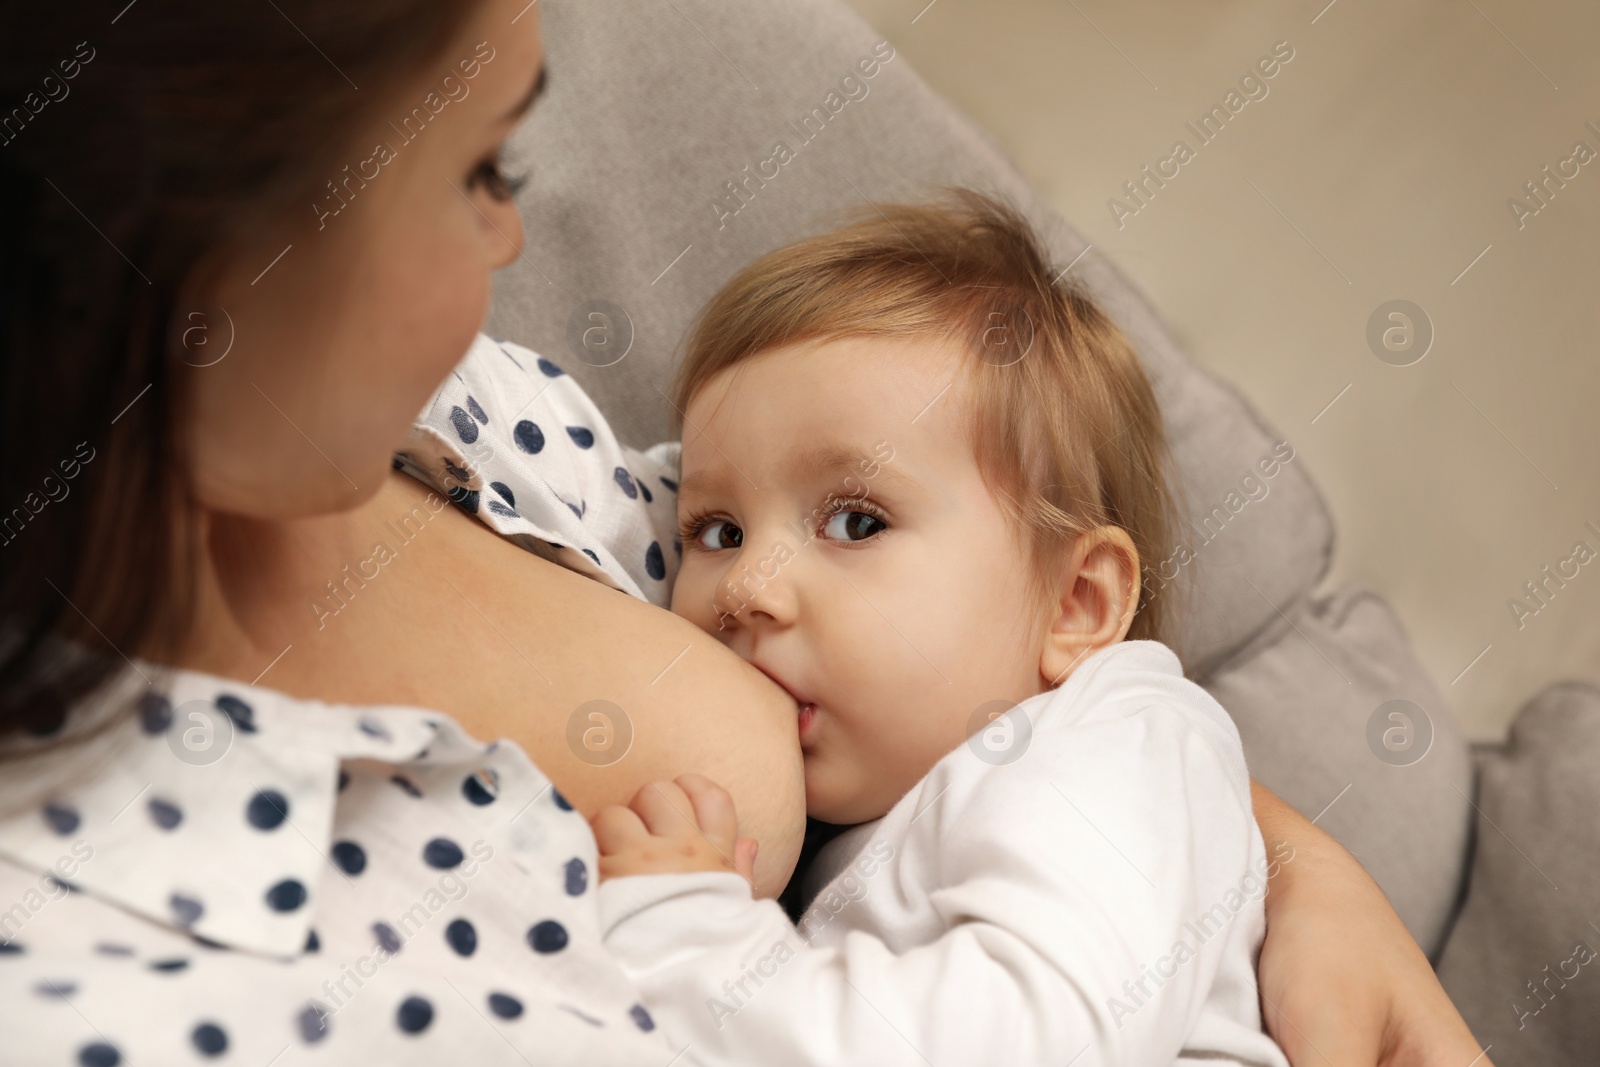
(641, 1017)
(466, 429)
(373, 728)
(546, 479)
(351, 857)
(625, 481)
(286, 895)
(155, 713)
(480, 788)
(186, 910)
(577, 876)
(99, 1054)
(549, 368)
(505, 1005)
(242, 715)
(164, 813)
(415, 1015)
(461, 936)
(267, 809)
(313, 1024)
(442, 853)
(388, 937)
(209, 1040)
(547, 937)
(62, 818)
(529, 437)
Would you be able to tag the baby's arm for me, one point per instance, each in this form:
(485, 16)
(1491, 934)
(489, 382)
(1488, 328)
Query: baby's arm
(1039, 923)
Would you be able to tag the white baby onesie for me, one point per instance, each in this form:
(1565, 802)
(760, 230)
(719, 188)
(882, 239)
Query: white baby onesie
(1081, 883)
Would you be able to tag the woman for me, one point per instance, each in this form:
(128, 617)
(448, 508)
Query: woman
(319, 189)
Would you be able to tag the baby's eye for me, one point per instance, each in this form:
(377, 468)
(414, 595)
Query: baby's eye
(853, 526)
(720, 534)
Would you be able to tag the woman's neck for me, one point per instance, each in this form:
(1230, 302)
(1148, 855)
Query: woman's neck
(260, 586)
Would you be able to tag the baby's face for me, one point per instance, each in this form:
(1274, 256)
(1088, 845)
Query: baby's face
(839, 536)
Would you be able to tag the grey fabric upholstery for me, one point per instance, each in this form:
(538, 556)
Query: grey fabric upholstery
(646, 192)
(1523, 962)
(1303, 697)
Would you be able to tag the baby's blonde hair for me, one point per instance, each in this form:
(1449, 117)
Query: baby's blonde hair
(1064, 423)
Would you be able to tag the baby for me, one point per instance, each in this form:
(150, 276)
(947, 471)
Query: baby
(919, 476)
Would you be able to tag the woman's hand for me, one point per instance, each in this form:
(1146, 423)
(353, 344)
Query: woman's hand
(1342, 982)
(681, 826)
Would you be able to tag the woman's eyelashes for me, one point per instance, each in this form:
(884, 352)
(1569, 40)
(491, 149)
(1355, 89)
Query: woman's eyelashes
(848, 522)
(490, 176)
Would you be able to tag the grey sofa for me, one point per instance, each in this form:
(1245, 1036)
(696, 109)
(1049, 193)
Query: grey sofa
(654, 173)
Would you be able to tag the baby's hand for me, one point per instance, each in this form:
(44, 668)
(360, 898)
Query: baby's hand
(673, 827)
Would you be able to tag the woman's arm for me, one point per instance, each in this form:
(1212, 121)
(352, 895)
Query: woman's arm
(1343, 984)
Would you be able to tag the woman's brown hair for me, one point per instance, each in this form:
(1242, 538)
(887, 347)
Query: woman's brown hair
(136, 141)
(1064, 423)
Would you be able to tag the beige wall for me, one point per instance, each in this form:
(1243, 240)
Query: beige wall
(1377, 167)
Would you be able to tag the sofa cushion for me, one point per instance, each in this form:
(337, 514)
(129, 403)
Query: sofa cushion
(1339, 718)
(646, 161)
(1523, 962)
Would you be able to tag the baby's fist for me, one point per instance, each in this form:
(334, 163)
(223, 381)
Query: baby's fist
(680, 826)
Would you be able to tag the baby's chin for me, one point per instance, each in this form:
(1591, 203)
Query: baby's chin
(831, 797)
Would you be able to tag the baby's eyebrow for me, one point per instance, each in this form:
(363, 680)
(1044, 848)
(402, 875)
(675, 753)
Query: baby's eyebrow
(839, 460)
(820, 461)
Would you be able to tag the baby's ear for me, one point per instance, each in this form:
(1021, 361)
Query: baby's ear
(1095, 597)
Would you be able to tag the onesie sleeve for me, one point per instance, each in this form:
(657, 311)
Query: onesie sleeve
(1078, 906)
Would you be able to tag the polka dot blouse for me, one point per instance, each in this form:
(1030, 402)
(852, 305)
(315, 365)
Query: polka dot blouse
(232, 875)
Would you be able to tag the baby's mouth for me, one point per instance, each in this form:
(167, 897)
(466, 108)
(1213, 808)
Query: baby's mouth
(807, 718)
